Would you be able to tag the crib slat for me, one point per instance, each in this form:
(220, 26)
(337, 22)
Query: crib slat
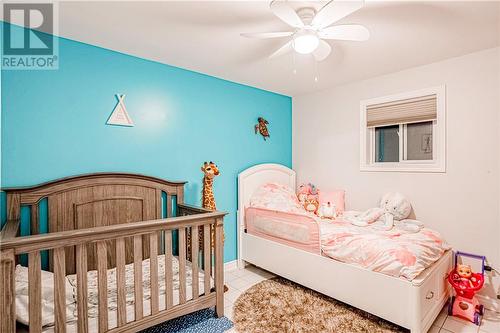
(169, 296)
(159, 215)
(60, 289)
(153, 271)
(35, 292)
(102, 285)
(219, 267)
(159, 208)
(138, 293)
(81, 287)
(182, 265)
(120, 282)
(169, 205)
(212, 252)
(206, 260)
(7, 291)
(34, 220)
(194, 262)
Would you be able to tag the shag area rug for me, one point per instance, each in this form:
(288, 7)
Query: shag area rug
(201, 321)
(279, 305)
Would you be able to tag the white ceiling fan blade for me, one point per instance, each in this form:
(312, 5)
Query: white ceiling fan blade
(334, 11)
(286, 13)
(353, 32)
(264, 35)
(282, 50)
(322, 51)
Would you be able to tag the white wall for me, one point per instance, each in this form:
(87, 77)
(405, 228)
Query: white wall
(463, 203)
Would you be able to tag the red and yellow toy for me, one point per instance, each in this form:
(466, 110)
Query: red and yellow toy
(466, 283)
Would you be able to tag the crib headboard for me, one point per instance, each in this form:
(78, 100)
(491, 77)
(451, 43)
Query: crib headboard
(93, 200)
(251, 179)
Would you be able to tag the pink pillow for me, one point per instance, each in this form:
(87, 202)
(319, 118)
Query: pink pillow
(335, 197)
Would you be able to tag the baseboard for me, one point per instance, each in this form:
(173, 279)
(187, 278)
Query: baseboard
(230, 266)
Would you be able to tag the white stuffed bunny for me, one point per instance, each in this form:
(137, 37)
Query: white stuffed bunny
(393, 207)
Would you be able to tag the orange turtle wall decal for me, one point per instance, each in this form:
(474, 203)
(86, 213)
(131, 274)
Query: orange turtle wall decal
(262, 128)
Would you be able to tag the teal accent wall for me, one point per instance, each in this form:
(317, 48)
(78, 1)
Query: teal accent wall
(53, 125)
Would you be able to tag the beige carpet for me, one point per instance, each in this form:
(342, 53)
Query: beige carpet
(279, 305)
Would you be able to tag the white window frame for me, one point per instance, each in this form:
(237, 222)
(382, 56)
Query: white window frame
(367, 137)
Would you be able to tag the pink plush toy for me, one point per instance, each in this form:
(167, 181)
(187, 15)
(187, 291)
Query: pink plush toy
(308, 196)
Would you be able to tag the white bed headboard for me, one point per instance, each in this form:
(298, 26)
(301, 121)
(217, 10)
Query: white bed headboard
(250, 180)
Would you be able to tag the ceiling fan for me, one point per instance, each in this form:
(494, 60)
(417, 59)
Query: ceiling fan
(311, 28)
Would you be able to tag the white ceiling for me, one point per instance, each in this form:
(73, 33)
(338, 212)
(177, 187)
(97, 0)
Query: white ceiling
(205, 37)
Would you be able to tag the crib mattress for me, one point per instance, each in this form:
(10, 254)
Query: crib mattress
(396, 252)
(72, 327)
(71, 309)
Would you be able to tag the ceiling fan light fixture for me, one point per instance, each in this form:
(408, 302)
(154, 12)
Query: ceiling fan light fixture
(311, 28)
(305, 41)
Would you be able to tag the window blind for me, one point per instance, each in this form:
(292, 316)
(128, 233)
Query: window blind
(411, 110)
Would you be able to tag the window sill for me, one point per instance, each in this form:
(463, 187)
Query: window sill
(404, 167)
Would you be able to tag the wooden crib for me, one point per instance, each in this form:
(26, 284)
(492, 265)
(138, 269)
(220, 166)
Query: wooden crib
(109, 220)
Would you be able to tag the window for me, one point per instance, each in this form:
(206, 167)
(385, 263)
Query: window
(404, 132)
(387, 143)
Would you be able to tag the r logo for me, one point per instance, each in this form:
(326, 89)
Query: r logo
(37, 16)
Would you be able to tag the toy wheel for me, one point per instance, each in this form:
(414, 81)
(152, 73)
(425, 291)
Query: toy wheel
(450, 305)
(477, 318)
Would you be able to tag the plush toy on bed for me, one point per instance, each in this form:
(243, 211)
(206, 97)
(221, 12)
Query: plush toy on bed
(308, 196)
(307, 191)
(327, 211)
(311, 205)
(393, 207)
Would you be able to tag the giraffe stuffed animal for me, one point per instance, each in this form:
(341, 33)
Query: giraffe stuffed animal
(210, 171)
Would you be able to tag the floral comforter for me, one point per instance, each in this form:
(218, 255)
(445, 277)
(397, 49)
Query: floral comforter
(395, 252)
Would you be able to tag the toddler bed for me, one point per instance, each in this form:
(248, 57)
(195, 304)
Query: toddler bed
(114, 264)
(396, 252)
(395, 275)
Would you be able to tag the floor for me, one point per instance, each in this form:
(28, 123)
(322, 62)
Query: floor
(240, 280)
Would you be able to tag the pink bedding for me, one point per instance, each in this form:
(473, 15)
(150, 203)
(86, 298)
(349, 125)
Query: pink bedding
(395, 252)
(274, 196)
(276, 214)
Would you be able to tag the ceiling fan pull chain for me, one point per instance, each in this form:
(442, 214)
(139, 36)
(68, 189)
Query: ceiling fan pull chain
(294, 64)
(316, 74)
